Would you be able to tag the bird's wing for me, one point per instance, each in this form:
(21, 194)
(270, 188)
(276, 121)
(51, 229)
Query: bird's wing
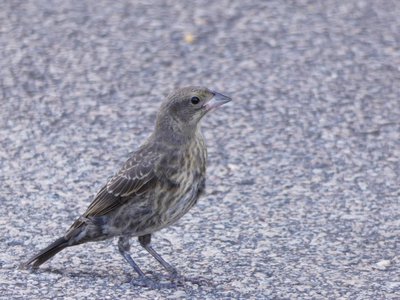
(134, 178)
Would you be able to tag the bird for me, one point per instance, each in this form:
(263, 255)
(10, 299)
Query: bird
(154, 188)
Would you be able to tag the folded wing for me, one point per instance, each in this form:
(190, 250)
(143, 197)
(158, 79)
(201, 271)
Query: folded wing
(134, 179)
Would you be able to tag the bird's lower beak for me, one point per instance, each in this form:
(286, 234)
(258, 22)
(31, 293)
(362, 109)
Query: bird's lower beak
(216, 101)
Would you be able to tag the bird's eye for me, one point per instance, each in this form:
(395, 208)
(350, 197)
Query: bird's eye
(195, 100)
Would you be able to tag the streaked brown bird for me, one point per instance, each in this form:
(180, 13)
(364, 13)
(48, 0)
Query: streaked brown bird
(154, 188)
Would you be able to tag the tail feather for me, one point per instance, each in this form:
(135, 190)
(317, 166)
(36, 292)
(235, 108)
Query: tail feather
(47, 253)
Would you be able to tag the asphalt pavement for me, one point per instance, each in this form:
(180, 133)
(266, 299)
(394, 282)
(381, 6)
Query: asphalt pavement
(303, 178)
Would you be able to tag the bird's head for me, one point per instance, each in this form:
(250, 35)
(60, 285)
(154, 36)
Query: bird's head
(183, 109)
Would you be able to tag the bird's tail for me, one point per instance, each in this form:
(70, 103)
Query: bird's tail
(47, 253)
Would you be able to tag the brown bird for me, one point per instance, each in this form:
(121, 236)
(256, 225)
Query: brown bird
(154, 188)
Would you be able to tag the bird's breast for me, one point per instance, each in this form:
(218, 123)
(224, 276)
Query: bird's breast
(188, 180)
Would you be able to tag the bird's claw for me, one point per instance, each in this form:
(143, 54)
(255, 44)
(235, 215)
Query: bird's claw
(180, 280)
(144, 281)
(176, 280)
(199, 281)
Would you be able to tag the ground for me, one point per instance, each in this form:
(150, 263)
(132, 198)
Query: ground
(304, 164)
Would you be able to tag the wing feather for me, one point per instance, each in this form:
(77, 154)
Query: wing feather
(133, 179)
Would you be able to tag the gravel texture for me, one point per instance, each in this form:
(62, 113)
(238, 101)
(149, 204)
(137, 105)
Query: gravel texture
(304, 165)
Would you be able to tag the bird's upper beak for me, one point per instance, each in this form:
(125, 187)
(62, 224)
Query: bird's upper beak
(216, 101)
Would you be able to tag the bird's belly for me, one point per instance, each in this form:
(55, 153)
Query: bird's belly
(179, 206)
(130, 219)
(161, 210)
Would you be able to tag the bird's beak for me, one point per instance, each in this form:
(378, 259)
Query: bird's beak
(216, 101)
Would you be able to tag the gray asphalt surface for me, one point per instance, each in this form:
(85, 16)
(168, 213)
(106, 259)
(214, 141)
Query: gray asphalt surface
(304, 165)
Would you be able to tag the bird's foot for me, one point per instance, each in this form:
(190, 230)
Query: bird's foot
(200, 281)
(180, 280)
(177, 278)
(144, 281)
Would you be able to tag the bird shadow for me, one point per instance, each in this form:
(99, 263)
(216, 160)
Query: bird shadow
(185, 282)
(74, 273)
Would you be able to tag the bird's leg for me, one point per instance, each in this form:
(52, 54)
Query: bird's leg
(142, 280)
(145, 241)
(123, 247)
